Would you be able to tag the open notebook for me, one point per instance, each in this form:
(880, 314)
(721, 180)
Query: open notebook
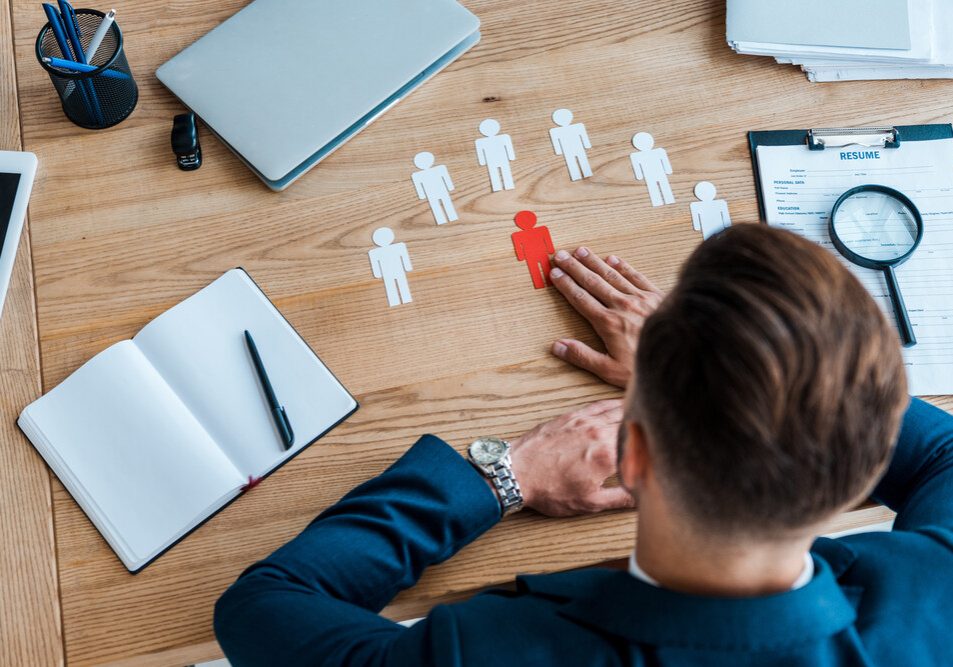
(156, 434)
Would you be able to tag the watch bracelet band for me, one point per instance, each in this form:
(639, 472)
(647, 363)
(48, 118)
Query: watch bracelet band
(507, 488)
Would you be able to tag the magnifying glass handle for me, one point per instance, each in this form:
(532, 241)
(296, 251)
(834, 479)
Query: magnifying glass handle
(907, 336)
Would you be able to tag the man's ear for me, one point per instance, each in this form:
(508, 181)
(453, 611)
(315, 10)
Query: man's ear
(634, 461)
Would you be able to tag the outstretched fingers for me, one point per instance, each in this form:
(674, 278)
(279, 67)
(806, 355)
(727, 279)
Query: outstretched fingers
(636, 278)
(587, 279)
(581, 299)
(601, 365)
(582, 356)
(609, 274)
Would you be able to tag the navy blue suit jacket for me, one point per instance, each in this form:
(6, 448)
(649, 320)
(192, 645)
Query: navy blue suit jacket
(875, 599)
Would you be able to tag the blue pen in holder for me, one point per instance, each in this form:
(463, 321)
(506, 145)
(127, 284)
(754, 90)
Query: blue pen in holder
(100, 94)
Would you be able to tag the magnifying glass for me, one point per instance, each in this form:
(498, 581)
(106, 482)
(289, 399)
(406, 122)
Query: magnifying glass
(879, 228)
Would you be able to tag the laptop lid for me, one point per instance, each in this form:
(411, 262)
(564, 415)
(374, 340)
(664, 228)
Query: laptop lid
(280, 80)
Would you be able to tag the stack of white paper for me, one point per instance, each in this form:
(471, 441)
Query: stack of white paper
(848, 40)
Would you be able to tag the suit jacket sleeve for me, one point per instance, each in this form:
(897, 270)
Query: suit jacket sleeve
(918, 484)
(315, 600)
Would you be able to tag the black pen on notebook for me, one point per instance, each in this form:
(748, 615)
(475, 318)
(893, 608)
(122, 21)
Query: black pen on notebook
(278, 412)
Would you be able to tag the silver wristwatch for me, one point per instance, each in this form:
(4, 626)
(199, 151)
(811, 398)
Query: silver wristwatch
(491, 456)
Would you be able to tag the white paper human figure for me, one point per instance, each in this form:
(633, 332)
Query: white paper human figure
(434, 185)
(495, 152)
(391, 262)
(571, 141)
(651, 165)
(709, 215)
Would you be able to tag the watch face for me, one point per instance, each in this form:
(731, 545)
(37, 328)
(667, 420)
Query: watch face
(487, 451)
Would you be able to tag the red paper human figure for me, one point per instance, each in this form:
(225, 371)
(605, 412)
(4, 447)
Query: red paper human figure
(533, 245)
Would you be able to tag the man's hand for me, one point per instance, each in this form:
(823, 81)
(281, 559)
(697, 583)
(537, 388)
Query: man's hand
(615, 299)
(562, 465)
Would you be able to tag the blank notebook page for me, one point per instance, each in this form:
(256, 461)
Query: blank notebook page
(133, 454)
(199, 348)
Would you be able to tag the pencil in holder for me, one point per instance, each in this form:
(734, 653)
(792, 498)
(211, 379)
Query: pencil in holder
(96, 95)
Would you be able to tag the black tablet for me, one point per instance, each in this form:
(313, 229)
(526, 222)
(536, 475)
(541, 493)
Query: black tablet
(16, 181)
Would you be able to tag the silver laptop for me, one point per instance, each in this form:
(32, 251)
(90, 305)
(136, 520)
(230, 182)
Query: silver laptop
(284, 83)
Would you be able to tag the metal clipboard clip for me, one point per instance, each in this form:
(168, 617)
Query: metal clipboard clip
(838, 137)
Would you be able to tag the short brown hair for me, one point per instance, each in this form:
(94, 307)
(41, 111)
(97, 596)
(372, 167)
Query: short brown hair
(769, 383)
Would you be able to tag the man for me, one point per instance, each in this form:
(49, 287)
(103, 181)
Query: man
(391, 262)
(709, 215)
(495, 152)
(533, 245)
(435, 185)
(571, 141)
(652, 165)
(768, 391)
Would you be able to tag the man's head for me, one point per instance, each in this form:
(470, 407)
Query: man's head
(489, 128)
(768, 388)
(525, 220)
(562, 117)
(643, 141)
(424, 160)
(383, 236)
(705, 191)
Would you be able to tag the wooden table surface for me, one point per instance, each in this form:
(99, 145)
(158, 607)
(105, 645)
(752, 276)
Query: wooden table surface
(30, 631)
(118, 235)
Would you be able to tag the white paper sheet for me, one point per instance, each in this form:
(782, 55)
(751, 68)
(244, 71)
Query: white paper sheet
(939, 67)
(827, 75)
(922, 42)
(875, 24)
(800, 187)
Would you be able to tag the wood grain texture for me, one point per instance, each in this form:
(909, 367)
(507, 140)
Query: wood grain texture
(120, 234)
(30, 631)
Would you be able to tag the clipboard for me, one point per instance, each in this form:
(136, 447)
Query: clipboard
(883, 137)
(800, 174)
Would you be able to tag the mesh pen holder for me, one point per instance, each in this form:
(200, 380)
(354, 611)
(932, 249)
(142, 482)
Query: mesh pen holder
(103, 97)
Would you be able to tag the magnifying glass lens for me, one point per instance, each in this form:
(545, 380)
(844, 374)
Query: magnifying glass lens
(876, 226)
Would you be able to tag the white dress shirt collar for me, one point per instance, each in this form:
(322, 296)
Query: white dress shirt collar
(805, 577)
